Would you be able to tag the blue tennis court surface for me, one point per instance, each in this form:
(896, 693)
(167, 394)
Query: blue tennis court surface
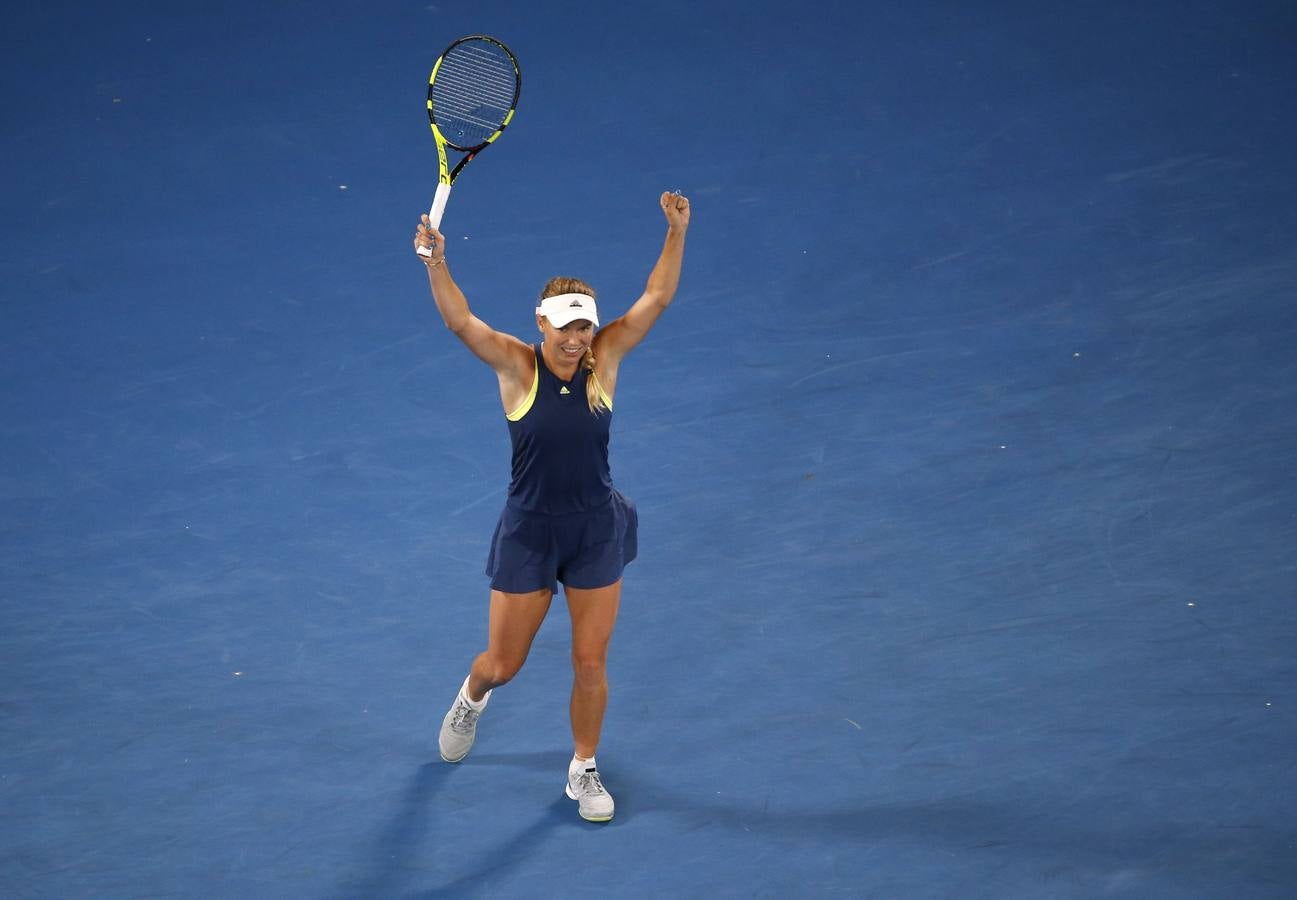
(964, 458)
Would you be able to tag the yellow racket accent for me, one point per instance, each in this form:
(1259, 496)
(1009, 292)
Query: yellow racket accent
(472, 95)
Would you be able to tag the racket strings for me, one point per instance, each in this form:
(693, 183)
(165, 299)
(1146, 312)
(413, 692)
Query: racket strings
(474, 89)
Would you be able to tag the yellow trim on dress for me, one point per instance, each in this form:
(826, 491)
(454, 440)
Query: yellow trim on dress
(525, 406)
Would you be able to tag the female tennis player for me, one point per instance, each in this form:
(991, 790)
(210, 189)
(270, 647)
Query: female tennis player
(563, 521)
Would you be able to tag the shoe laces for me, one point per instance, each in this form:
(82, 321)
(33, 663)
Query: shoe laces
(465, 718)
(589, 783)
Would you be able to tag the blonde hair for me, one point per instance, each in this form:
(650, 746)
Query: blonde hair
(561, 284)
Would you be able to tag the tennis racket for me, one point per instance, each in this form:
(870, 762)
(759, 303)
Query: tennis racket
(472, 93)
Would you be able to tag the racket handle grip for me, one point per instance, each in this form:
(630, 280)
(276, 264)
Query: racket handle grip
(435, 214)
(438, 205)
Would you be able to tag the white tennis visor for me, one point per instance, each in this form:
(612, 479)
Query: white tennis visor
(567, 308)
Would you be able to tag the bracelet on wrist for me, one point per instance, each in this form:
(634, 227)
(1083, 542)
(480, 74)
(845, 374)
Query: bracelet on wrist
(433, 263)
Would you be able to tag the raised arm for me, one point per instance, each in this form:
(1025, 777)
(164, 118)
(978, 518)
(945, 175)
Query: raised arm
(507, 355)
(618, 337)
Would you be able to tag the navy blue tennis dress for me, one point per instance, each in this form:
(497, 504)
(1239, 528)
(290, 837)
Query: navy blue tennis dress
(563, 520)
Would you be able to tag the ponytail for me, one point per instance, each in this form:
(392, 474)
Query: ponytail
(593, 391)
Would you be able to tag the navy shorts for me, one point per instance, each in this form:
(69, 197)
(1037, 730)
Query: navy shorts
(582, 550)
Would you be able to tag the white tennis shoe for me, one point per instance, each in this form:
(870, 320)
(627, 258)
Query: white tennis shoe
(586, 787)
(459, 727)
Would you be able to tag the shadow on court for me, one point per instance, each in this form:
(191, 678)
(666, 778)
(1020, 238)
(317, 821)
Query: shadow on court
(399, 846)
(427, 831)
(501, 858)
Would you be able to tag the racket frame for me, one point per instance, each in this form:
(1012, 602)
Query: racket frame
(445, 174)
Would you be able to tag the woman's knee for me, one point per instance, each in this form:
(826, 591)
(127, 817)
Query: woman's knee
(500, 670)
(590, 669)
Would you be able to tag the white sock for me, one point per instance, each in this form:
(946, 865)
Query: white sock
(580, 765)
(475, 705)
